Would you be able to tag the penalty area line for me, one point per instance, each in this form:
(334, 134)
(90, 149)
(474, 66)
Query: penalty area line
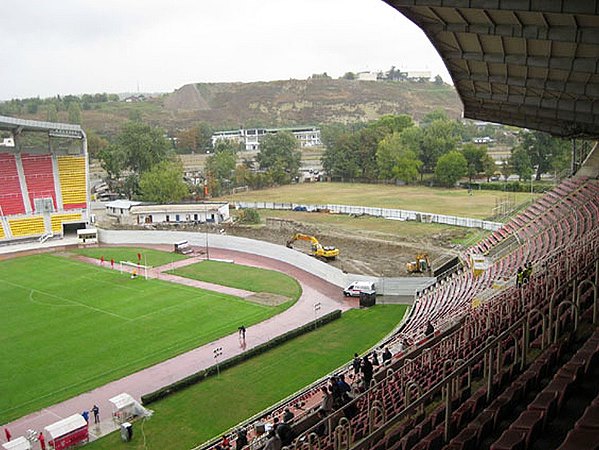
(76, 303)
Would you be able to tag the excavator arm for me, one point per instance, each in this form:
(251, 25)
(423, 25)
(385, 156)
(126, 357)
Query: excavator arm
(316, 248)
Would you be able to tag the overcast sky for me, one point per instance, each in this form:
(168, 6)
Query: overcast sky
(50, 47)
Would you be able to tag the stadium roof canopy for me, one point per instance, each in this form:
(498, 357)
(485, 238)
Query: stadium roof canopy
(529, 63)
(16, 126)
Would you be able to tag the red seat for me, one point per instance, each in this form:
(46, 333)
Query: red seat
(510, 440)
(590, 418)
(546, 402)
(531, 422)
(581, 438)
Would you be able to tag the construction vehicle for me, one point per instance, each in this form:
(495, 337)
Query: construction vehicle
(316, 248)
(421, 265)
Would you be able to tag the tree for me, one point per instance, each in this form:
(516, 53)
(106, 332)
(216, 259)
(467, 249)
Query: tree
(95, 144)
(163, 183)
(475, 156)
(391, 123)
(489, 167)
(197, 139)
(520, 163)
(279, 156)
(506, 169)
(52, 113)
(349, 76)
(113, 160)
(396, 161)
(435, 114)
(143, 145)
(220, 168)
(341, 159)
(544, 151)
(438, 138)
(438, 80)
(450, 168)
(74, 112)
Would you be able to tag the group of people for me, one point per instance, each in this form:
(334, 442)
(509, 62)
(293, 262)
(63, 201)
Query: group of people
(281, 434)
(523, 274)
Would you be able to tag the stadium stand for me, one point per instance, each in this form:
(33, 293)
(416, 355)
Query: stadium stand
(71, 172)
(58, 219)
(2, 235)
(38, 186)
(11, 197)
(39, 177)
(473, 371)
(30, 226)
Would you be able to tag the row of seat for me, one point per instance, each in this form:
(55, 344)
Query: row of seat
(11, 197)
(71, 172)
(558, 223)
(39, 182)
(549, 402)
(39, 177)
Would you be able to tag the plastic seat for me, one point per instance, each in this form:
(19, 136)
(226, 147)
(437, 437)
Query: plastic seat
(531, 422)
(511, 439)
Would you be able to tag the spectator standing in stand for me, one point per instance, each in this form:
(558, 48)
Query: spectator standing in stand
(288, 415)
(326, 404)
(367, 371)
(430, 330)
(357, 364)
(519, 277)
(375, 359)
(387, 356)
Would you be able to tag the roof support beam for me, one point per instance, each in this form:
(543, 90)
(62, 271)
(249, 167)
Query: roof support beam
(554, 6)
(559, 34)
(586, 65)
(583, 89)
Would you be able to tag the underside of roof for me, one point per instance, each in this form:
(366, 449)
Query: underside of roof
(529, 63)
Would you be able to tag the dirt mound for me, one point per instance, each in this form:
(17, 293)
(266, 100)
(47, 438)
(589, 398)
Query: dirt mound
(187, 97)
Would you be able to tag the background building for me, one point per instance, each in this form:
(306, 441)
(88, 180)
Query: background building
(250, 138)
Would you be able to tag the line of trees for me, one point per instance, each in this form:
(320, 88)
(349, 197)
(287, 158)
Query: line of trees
(395, 148)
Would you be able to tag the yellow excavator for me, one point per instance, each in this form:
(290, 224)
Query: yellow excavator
(421, 265)
(316, 248)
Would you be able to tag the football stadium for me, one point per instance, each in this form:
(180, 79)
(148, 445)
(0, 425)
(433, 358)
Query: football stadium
(249, 344)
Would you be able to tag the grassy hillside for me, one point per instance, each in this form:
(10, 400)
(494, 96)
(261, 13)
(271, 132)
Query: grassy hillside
(274, 103)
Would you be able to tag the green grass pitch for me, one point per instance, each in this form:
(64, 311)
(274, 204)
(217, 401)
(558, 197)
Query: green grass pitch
(209, 408)
(67, 327)
(149, 257)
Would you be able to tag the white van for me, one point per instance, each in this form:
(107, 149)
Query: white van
(354, 289)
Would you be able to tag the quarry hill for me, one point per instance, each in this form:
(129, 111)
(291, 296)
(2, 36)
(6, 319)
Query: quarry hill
(266, 104)
(307, 102)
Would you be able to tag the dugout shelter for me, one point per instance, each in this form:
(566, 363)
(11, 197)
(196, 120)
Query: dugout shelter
(67, 432)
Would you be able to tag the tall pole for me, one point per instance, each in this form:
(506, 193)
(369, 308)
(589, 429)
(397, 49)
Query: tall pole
(207, 248)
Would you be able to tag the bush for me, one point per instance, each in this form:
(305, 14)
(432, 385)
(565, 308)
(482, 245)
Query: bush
(250, 216)
(235, 360)
(510, 186)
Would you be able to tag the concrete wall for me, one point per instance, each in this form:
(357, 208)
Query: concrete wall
(386, 286)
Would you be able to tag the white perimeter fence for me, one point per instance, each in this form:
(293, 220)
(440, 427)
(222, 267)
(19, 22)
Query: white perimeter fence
(386, 213)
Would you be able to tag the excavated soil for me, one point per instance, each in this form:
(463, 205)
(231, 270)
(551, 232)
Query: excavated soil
(363, 252)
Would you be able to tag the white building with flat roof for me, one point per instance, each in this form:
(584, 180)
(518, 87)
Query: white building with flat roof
(203, 212)
(251, 137)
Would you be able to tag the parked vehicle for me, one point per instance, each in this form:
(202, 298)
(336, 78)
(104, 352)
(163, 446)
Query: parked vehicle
(357, 287)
